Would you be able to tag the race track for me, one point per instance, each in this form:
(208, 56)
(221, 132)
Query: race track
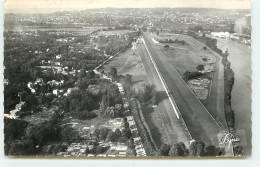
(200, 123)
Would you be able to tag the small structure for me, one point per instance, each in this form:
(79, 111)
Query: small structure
(58, 56)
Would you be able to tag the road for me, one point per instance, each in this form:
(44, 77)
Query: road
(202, 126)
(240, 58)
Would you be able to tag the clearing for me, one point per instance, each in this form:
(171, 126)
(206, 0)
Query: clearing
(128, 62)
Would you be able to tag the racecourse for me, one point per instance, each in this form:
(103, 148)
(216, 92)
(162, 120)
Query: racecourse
(200, 123)
(174, 129)
(215, 100)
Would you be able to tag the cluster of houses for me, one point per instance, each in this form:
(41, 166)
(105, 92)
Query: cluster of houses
(137, 140)
(113, 124)
(77, 149)
(13, 113)
(116, 150)
(30, 85)
(65, 40)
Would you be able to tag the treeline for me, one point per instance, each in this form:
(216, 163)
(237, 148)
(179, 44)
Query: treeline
(111, 102)
(171, 41)
(148, 95)
(228, 78)
(105, 134)
(81, 102)
(191, 75)
(22, 138)
(228, 85)
(143, 129)
(196, 149)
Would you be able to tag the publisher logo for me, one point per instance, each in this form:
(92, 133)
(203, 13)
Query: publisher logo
(231, 139)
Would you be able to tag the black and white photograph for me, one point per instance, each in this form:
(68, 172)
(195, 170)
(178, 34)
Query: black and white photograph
(127, 79)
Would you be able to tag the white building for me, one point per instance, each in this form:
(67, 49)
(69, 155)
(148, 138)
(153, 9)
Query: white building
(58, 56)
(221, 34)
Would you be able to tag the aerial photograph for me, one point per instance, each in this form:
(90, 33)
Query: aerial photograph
(127, 79)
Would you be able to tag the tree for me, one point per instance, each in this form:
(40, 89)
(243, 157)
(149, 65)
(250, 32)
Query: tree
(127, 133)
(205, 59)
(97, 133)
(172, 152)
(200, 149)
(166, 47)
(113, 73)
(118, 133)
(127, 84)
(111, 136)
(211, 151)
(149, 94)
(91, 74)
(82, 74)
(104, 103)
(122, 139)
(204, 48)
(238, 151)
(83, 83)
(200, 67)
(165, 150)
(87, 151)
(226, 53)
(126, 125)
(131, 143)
(103, 133)
(197, 149)
(31, 103)
(178, 149)
(131, 152)
(193, 148)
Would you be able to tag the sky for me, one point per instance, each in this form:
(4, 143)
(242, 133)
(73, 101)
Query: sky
(62, 5)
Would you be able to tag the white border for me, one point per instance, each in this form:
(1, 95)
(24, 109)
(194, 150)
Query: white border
(253, 161)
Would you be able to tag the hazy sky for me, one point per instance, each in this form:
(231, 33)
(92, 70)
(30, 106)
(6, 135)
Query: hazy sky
(59, 5)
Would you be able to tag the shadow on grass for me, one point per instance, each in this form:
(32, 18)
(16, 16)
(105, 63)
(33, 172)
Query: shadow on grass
(147, 111)
(137, 81)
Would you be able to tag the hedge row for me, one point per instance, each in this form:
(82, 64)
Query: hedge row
(145, 124)
(149, 147)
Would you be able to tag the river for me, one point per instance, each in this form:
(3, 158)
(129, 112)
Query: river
(240, 58)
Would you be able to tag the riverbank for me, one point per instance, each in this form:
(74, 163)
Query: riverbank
(240, 58)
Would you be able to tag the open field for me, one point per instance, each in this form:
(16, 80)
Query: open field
(186, 58)
(115, 32)
(79, 30)
(128, 63)
(202, 125)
